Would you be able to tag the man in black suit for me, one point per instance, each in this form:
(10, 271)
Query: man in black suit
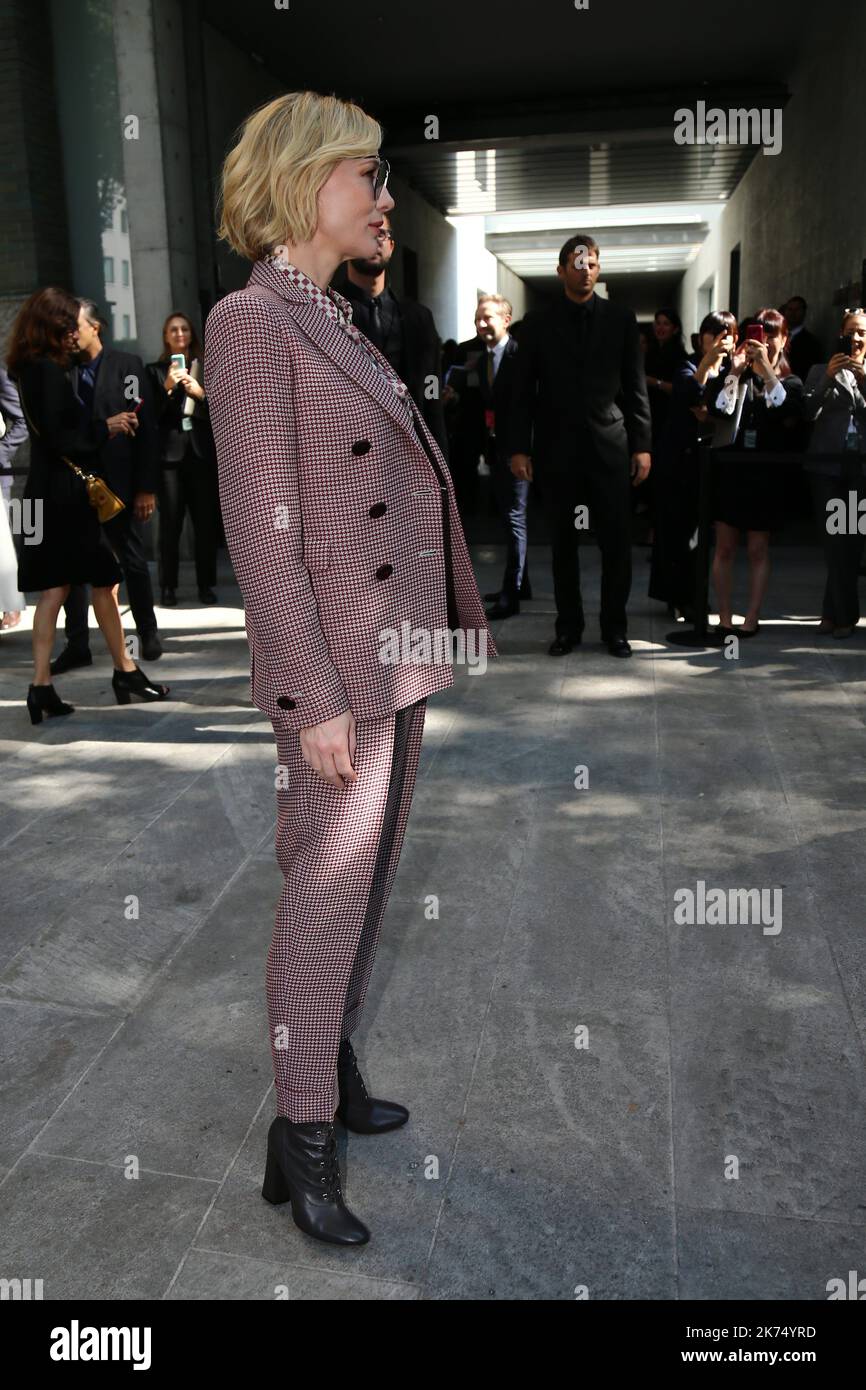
(481, 383)
(579, 410)
(107, 381)
(803, 349)
(401, 329)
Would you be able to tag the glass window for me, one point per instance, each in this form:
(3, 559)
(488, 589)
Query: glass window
(126, 325)
(92, 148)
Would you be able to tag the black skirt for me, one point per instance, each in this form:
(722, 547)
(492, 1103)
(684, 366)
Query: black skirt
(72, 549)
(748, 496)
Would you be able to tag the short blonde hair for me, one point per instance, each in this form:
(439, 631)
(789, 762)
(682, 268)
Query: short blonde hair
(498, 299)
(285, 152)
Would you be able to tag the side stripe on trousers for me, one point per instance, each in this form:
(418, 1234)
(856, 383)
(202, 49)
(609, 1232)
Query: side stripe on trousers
(338, 849)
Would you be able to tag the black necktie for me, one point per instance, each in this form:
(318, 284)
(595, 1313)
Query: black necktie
(375, 323)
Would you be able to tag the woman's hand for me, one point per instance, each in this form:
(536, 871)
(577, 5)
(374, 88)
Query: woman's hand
(841, 360)
(191, 386)
(124, 423)
(758, 359)
(521, 467)
(329, 748)
(173, 376)
(713, 358)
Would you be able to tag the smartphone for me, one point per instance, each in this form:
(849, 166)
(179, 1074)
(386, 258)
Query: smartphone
(846, 344)
(178, 360)
(756, 332)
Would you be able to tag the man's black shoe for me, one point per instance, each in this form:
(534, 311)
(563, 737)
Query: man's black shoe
(494, 597)
(563, 645)
(207, 596)
(151, 647)
(618, 646)
(168, 599)
(502, 609)
(70, 658)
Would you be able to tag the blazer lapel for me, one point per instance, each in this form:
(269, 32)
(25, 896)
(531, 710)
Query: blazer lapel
(337, 345)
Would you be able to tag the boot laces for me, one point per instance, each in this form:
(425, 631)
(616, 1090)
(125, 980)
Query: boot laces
(329, 1180)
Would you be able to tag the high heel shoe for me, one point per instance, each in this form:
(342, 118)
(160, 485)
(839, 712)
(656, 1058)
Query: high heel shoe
(128, 683)
(358, 1110)
(302, 1168)
(43, 699)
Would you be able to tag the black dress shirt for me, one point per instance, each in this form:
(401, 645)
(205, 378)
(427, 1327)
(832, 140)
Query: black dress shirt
(378, 317)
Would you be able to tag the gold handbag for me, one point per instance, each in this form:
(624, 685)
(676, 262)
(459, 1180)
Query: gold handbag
(105, 503)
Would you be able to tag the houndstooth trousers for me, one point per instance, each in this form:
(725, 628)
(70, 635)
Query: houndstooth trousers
(338, 849)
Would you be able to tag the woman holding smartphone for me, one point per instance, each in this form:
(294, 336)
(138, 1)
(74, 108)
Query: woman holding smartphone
(342, 526)
(835, 399)
(672, 577)
(754, 408)
(188, 467)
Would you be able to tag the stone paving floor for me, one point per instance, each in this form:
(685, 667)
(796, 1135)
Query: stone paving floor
(603, 1096)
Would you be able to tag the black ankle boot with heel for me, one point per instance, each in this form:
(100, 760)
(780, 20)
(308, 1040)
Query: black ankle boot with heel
(359, 1111)
(302, 1168)
(43, 699)
(128, 683)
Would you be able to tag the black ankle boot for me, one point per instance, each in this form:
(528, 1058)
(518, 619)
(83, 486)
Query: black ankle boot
(43, 699)
(302, 1168)
(358, 1110)
(128, 683)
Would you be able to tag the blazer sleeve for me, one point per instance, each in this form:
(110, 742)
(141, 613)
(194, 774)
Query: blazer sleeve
(145, 445)
(51, 404)
(159, 396)
(635, 402)
(16, 429)
(821, 390)
(524, 387)
(257, 432)
(431, 408)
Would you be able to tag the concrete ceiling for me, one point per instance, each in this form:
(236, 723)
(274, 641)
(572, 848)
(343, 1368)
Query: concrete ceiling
(544, 107)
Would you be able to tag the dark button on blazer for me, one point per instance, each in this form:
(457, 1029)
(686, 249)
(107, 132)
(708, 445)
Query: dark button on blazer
(384, 571)
(285, 702)
(292, 401)
(378, 509)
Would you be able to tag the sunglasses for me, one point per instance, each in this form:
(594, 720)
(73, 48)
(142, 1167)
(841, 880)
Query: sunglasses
(380, 176)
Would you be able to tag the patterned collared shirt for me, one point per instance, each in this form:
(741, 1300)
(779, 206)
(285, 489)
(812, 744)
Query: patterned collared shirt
(337, 308)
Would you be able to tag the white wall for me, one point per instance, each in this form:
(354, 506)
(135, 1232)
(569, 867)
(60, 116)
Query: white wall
(799, 216)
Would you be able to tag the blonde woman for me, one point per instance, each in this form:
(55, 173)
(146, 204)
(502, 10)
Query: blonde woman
(342, 526)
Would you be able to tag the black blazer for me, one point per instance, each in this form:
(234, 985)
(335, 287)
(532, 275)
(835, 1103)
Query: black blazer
(554, 401)
(421, 350)
(169, 413)
(772, 424)
(803, 352)
(469, 379)
(57, 427)
(128, 463)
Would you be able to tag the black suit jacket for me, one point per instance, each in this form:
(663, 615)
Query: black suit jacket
(169, 413)
(422, 349)
(468, 377)
(803, 352)
(555, 403)
(128, 463)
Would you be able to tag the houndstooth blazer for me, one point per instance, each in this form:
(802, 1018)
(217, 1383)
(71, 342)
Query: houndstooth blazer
(337, 517)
